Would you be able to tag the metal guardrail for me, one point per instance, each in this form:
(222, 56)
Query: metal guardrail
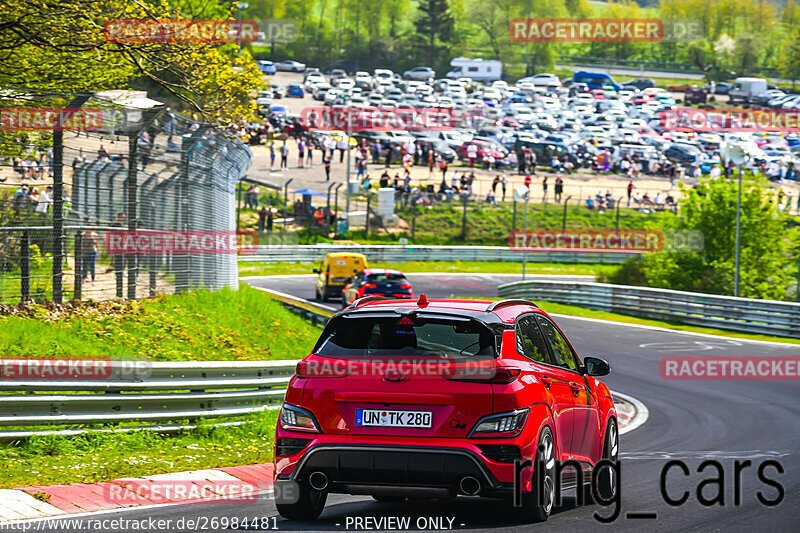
(155, 392)
(151, 392)
(401, 253)
(723, 312)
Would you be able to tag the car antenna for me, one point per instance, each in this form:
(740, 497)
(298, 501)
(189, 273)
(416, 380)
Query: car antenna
(423, 301)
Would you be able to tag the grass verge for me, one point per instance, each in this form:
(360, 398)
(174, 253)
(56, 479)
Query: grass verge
(487, 267)
(222, 325)
(53, 459)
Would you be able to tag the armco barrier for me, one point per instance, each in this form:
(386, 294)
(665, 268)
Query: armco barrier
(401, 253)
(723, 312)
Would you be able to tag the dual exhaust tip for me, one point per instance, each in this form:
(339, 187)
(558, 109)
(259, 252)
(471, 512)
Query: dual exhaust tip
(468, 485)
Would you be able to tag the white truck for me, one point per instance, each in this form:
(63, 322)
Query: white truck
(746, 90)
(476, 69)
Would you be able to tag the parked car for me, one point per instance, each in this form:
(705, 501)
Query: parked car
(288, 65)
(684, 154)
(295, 89)
(420, 74)
(640, 83)
(695, 95)
(267, 67)
(439, 399)
(385, 282)
(350, 67)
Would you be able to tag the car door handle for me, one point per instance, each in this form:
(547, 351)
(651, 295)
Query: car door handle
(546, 381)
(575, 388)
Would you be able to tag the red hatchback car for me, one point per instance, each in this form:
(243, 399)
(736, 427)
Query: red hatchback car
(443, 398)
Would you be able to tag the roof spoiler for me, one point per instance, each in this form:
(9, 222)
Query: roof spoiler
(505, 303)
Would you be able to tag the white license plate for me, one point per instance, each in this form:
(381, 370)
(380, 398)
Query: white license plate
(394, 419)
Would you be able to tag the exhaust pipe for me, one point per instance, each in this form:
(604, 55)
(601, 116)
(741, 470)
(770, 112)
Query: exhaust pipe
(318, 481)
(470, 486)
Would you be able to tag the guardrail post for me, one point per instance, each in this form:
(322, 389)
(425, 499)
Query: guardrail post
(78, 265)
(133, 268)
(25, 266)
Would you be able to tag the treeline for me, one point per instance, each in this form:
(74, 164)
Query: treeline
(739, 34)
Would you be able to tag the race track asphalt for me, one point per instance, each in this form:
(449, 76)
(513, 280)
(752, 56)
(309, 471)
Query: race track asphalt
(690, 421)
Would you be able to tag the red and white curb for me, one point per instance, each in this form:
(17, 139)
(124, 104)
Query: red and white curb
(196, 486)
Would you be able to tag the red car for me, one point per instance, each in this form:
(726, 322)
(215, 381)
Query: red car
(444, 398)
(485, 149)
(381, 281)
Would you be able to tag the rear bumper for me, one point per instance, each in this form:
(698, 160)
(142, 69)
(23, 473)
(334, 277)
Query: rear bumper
(423, 471)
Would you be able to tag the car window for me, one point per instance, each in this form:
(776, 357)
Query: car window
(530, 342)
(559, 347)
(388, 277)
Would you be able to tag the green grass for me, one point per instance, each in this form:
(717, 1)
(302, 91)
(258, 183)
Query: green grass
(489, 267)
(52, 459)
(221, 325)
(564, 309)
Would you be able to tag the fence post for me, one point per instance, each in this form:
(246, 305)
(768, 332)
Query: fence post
(464, 220)
(58, 202)
(78, 265)
(25, 266)
(413, 223)
(514, 217)
(133, 145)
(369, 199)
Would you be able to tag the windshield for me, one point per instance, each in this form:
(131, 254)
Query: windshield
(401, 335)
(388, 277)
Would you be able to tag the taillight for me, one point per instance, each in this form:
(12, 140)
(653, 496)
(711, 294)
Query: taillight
(298, 419)
(405, 286)
(500, 425)
(369, 285)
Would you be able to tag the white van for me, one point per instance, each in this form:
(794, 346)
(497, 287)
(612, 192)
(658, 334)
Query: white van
(747, 89)
(476, 69)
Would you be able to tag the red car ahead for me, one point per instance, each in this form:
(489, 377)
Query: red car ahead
(443, 398)
(485, 149)
(381, 281)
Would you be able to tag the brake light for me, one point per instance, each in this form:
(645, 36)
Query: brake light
(298, 419)
(369, 285)
(405, 286)
(501, 424)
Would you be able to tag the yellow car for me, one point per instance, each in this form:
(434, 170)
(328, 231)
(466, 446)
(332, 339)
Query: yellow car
(336, 271)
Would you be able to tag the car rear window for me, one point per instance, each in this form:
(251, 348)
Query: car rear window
(408, 336)
(386, 278)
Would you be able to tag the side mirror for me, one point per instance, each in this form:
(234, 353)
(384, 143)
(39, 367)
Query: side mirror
(594, 366)
(315, 271)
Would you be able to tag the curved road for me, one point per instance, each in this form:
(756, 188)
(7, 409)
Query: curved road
(690, 421)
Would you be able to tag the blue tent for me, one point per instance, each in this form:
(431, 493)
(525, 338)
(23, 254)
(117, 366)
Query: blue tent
(309, 192)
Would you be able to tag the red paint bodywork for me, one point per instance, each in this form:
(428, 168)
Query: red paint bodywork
(578, 422)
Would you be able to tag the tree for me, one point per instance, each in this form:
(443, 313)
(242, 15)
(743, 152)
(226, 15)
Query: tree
(710, 208)
(60, 46)
(435, 23)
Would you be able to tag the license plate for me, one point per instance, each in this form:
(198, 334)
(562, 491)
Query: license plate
(394, 419)
(338, 280)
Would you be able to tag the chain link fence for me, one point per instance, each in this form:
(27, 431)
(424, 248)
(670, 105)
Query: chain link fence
(136, 200)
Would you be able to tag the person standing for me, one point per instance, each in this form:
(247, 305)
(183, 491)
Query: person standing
(341, 146)
(272, 155)
(495, 182)
(431, 163)
(301, 149)
(262, 219)
(443, 167)
(89, 249)
(472, 154)
(310, 156)
(284, 156)
(388, 154)
(504, 183)
(544, 190)
(327, 168)
(559, 188)
(630, 191)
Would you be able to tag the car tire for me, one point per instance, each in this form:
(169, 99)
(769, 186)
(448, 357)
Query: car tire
(325, 296)
(606, 483)
(538, 504)
(307, 507)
